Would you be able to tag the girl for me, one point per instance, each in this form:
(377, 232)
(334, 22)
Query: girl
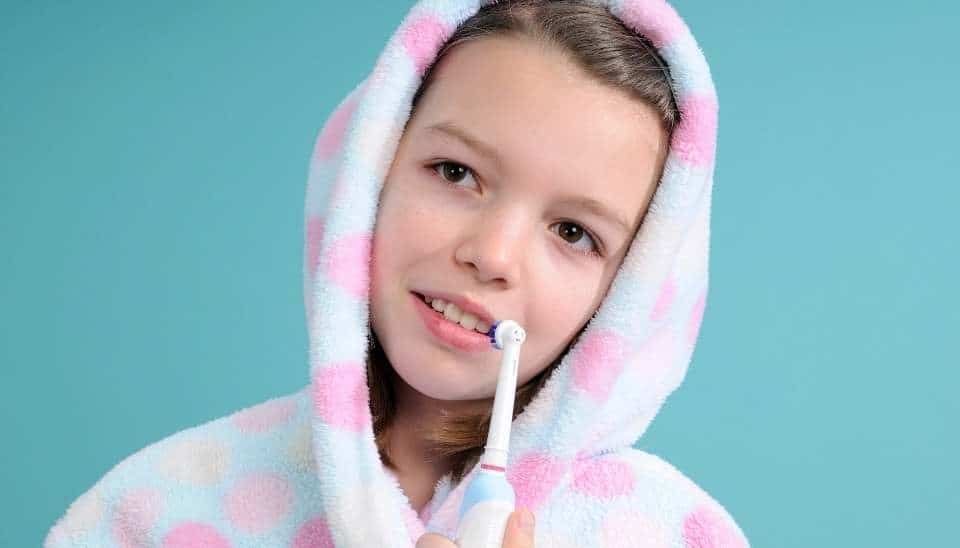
(548, 162)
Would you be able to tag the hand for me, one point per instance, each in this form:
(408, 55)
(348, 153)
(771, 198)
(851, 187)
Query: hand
(515, 536)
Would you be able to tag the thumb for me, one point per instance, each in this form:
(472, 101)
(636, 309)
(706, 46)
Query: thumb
(520, 527)
(433, 540)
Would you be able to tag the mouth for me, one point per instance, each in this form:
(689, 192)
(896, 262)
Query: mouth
(446, 321)
(478, 321)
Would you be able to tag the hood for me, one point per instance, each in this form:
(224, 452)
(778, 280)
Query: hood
(634, 351)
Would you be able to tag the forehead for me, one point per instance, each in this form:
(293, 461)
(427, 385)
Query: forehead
(545, 121)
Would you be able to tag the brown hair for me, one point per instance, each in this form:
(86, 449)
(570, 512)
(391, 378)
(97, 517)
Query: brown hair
(605, 49)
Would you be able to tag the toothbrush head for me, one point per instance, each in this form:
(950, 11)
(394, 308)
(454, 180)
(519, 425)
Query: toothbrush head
(492, 333)
(506, 330)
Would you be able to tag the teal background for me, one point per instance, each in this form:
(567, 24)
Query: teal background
(154, 158)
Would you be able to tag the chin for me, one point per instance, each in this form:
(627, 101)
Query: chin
(443, 387)
(443, 391)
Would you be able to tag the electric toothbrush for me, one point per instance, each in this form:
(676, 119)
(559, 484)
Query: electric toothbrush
(489, 498)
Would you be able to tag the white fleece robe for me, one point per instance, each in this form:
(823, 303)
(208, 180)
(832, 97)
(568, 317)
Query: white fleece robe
(303, 470)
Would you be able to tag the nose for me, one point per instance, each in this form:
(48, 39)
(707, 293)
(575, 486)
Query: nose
(495, 247)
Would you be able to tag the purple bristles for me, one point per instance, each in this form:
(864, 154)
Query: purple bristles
(493, 333)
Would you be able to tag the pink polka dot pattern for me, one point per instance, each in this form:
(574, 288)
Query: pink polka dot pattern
(135, 515)
(314, 534)
(347, 264)
(422, 38)
(707, 528)
(664, 300)
(694, 139)
(340, 396)
(598, 363)
(194, 535)
(696, 318)
(655, 19)
(533, 477)
(314, 237)
(266, 416)
(602, 477)
(331, 137)
(258, 502)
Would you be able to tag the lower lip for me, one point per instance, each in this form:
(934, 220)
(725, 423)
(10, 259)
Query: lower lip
(452, 334)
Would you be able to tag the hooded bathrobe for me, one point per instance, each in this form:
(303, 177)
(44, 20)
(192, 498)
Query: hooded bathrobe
(303, 470)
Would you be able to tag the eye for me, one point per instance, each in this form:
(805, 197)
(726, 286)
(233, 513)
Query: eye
(451, 172)
(573, 233)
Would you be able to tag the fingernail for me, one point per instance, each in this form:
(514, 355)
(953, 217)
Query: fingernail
(526, 521)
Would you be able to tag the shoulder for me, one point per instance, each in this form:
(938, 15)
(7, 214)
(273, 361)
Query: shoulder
(704, 521)
(633, 498)
(194, 467)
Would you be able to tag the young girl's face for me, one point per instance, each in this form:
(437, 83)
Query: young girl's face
(517, 188)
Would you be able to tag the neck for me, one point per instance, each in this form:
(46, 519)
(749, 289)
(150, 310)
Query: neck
(417, 415)
(417, 469)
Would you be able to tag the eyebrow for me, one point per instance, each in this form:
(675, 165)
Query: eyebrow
(447, 128)
(584, 202)
(600, 210)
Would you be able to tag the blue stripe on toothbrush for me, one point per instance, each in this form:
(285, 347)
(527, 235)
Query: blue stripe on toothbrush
(487, 486)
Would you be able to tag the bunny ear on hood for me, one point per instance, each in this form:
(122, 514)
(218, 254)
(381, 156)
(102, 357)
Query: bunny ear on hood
(633, 353)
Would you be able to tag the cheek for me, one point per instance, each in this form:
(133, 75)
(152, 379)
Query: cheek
(401, 222)
(413, 224)
(558, 312)
(387, 250)
(412, 205)
(409, 236)
(568, 294)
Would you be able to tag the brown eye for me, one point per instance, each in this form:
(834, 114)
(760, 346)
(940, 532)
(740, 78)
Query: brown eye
(451, 172)
(570, 232)
(576, 236)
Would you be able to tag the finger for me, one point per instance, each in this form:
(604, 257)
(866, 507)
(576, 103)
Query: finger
(433, 540)
(520, 529)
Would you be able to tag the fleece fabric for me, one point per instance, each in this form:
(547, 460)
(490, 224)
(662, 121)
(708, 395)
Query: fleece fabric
(303, 470)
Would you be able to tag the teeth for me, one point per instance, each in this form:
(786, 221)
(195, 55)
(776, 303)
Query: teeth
(453, 314)
(468, 321)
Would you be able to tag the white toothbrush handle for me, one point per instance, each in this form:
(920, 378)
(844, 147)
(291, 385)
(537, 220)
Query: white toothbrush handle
(489, 498)
(484, 524)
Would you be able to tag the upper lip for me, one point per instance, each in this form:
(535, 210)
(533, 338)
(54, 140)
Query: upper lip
(463, 303)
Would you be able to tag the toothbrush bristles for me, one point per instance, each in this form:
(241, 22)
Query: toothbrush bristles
(493, 332)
